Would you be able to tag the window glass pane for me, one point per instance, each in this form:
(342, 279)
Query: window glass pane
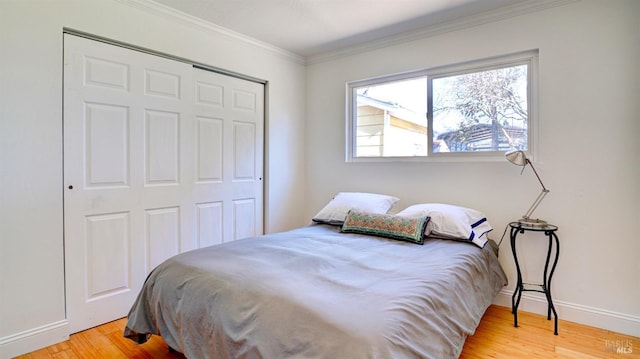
(477, 110)
(391, 120)
(481, 111)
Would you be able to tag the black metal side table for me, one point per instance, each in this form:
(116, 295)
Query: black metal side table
(549, 231)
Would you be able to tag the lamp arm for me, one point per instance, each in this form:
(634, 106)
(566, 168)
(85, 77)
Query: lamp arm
(537, 176)
(540, 196)
(536, 203)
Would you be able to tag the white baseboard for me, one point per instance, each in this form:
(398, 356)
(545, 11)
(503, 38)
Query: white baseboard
(605, 319)
(34, 339)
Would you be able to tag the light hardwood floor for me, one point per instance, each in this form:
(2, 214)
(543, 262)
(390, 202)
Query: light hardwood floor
(495, 338)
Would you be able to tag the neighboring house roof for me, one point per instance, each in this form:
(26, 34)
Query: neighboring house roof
(394, 109)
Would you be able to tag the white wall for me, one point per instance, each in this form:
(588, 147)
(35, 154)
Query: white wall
(589, 110)
(32, 307)
(587, 153)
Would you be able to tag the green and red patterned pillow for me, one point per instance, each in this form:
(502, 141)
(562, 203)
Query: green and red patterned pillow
(386, 225)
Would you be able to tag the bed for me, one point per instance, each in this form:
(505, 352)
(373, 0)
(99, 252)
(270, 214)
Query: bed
(318, 292)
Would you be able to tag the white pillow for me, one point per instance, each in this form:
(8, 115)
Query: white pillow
(335, 212)
(451, 222)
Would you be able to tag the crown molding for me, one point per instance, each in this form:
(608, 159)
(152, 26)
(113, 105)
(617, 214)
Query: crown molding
(499, 14)
(495, 15)
(167, 12)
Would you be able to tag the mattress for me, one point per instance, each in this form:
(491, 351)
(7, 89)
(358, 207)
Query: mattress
(314, 292)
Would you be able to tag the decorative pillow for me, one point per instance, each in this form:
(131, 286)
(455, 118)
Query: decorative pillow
(452, 222)
(336, 210)
(386, 225)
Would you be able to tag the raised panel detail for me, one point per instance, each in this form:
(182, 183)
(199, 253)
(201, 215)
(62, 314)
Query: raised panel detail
(244, 151)
(162, 147)
(105, 73)
(243, 100)
(162, 84)
(107, 254)
(163, 234)
(244, 218)
(210, 224)
(209, 94)
(106, 145)
(209, 149)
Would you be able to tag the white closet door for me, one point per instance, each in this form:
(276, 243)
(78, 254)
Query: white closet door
(138, 167)
(229, 117)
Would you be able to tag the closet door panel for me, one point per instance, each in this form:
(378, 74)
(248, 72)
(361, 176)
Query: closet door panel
(148, 173)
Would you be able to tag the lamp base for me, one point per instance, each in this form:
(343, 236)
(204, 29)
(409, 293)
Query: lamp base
(533, 222)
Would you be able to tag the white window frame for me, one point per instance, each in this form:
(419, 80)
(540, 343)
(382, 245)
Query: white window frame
(529, 58)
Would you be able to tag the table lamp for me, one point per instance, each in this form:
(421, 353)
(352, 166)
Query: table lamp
(520, 159)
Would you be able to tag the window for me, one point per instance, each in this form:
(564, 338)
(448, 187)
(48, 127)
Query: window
(474, 110)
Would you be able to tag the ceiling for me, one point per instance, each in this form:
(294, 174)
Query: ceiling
(312, 27)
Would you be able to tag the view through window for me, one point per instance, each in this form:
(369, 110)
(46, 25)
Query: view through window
(472, 109)
(481, 111)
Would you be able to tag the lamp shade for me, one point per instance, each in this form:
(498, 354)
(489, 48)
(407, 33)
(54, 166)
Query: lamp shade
(516, 157)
